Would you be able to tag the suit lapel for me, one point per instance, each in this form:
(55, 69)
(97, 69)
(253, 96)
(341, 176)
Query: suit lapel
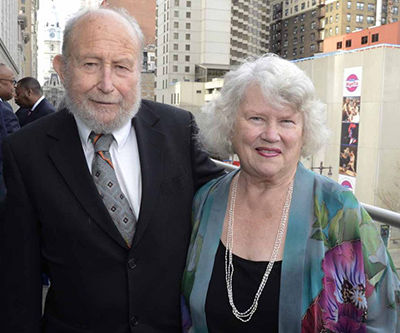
(150, 142)
(67, 155)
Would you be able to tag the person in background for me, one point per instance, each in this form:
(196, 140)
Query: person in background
(275, 246)
(100, 195)
(33, 105)
(8, 120)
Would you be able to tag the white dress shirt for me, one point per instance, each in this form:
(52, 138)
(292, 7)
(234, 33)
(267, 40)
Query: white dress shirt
(37, 103)
(125, 157)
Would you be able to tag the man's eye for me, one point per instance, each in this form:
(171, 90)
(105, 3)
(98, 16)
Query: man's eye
(90, 64)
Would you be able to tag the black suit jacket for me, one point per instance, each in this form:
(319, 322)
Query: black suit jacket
(44, 108)
(56, 222)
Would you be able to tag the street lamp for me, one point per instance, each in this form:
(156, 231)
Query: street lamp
(321, 167)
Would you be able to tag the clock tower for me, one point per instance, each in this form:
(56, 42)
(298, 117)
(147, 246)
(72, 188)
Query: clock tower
(52, 87)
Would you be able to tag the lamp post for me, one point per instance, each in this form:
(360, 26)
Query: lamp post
(321, 167)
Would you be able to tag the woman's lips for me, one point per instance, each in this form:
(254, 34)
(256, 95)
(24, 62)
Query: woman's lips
(269, 152)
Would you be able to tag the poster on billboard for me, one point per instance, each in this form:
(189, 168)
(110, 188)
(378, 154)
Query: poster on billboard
(352, 81)
(348, 182)
(351, 109)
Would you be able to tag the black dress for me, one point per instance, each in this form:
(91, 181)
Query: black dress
(246, 280)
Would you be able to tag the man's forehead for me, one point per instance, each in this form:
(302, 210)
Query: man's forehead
(5, 71)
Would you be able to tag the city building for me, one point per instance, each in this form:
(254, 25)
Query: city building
(200, 40)
(299, 27)
(384, 34)
(52, 32)
(28, 12)
(90, 4)
(144, 11)
(11, 35)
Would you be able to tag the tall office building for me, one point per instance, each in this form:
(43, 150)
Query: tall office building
(28, 9)
(199, 40)
(299, 27)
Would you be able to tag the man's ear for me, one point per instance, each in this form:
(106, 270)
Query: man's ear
(59, 66)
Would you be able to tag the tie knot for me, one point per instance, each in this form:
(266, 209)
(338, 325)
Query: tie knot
(101, 142)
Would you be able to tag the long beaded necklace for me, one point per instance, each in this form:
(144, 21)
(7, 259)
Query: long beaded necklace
(246, 315)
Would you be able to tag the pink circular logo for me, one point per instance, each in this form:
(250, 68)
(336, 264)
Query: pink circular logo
(346, 184)
(352, 82)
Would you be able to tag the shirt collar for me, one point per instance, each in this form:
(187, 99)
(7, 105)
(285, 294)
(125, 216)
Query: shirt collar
(37, 103)
(120, 135)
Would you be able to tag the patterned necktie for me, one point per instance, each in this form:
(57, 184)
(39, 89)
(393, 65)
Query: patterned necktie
(107, 184)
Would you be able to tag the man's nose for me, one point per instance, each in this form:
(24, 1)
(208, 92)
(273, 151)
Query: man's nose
(106, 84)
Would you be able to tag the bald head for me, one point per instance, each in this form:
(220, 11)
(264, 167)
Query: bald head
(92, 16)
(7, 80)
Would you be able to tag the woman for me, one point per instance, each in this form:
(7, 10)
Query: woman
(276, 247)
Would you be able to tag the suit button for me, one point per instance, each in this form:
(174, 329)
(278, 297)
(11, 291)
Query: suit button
(134, 321)
(132, 263)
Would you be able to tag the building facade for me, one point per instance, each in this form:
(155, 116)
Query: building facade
(28, 11)
(11, 36)
(52, 41)
(298, 28)
(384, 34)
(197, 41)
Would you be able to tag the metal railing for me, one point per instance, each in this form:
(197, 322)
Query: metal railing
(378, 214)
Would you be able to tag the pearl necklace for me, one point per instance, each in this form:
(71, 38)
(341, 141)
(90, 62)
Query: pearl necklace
(246, 315)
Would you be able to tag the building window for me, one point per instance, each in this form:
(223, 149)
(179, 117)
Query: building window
(176, 2)
(395, 10)
(176, 25)
(360, 5)
(347, 29)
(348, 17)
(295, 20)
(303, 5)
(175, 47)
(294, 52)
(296, 8)
(312, 48)
(187, 58)
(188, 15)
(302, 28)
(188, 4)
(338, 45)
(348, 43)
(375, 38)
(176, 35)
(312, 36)
(348, 4)
(313, 13)
(337, 18)
(187, 36)
(370, 19)
(175, 57)
(330, 19)
(187, 25)
(313, 25)
(301, 39)
(176, 13)
(371, 7)
(359, 18)
(175, 68)
(295, 41)
(187, 47)
(294, 30)
(364, 39)
(336, 30)
(301, 50)
(187, 69)
(337, 4)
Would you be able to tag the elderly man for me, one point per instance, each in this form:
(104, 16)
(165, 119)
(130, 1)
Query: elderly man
(100, 195)
(8, 121)
(33, 105)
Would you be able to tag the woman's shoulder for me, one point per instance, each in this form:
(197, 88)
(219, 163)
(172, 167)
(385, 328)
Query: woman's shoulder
(208, 188)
